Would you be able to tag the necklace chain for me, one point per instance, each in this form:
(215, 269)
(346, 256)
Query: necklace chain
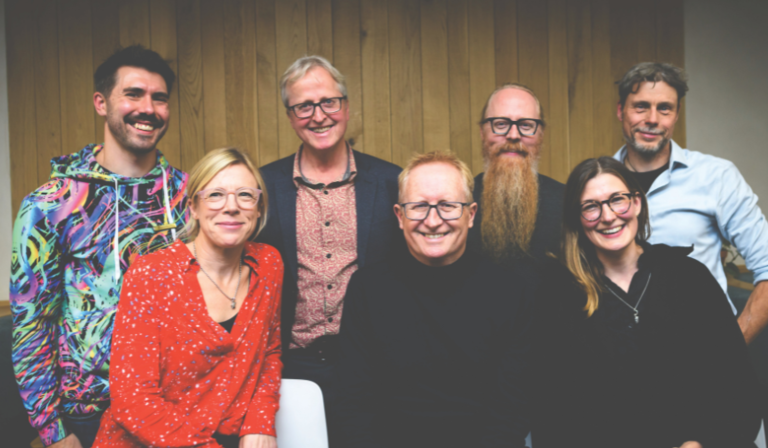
(634, 308)
(232, 299)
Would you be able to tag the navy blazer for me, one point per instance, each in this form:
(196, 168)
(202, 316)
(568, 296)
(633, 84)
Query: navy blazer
(377, 227)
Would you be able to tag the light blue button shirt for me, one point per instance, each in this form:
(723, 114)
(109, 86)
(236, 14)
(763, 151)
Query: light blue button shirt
(698, 200)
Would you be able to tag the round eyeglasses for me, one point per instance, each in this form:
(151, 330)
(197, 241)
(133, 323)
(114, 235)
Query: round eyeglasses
(447, 211)
(245, 197)
(619, 204)
(328, 105)
(526, 127)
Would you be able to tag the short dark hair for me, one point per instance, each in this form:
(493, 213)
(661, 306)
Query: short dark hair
(134, 56)
(652, 72)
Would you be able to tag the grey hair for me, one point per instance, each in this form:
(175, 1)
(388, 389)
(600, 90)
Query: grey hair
(299, 69)
(652, 72)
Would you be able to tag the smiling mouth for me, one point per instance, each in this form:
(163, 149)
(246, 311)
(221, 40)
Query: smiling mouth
(434, 236)
(143, 127)
(611, 231)
(321, 130)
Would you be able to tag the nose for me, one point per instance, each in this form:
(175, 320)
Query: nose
(319, 114)
(146, 105)
(608, 215)
(653, 116)
(433, 219)
(230, 205)
(513, 133)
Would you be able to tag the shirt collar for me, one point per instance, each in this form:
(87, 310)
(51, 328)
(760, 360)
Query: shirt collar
(188, 261)
(677, 156)
(348, 176)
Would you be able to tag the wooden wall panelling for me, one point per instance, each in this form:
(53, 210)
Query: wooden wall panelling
(320, 29)
(580, 80)
(240, 76)
(405, 80)
(105, 35)
(532, 43)
(604, 91)
(348, 60)
(134, 23)
(461, 120)
(291, 23)
(375, 76)
(190, 83)
(644, 21)
(482, 78)
(163, 40)
(505, 45)
(559, 128)
(214, 90)
(268, 106)
(434, 74)
(624, 51)
(47, 104)
(76, 74)
(670, 48)
(21, 100)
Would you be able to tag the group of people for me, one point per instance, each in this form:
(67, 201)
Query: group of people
(157, 308)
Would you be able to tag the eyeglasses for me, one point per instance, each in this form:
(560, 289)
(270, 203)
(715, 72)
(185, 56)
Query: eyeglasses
(215, 198)
(328, 105)
(447, 211)
(620, 203)
(525, 126)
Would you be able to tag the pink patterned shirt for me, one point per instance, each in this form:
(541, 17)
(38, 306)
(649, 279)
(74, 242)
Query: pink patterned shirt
(326, 241)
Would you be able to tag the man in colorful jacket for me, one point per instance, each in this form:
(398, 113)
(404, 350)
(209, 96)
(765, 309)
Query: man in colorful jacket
(76, 235)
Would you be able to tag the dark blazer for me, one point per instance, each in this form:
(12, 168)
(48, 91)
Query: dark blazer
(377, 227)
(546, 235)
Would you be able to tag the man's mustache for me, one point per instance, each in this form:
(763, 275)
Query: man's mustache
(512, 147)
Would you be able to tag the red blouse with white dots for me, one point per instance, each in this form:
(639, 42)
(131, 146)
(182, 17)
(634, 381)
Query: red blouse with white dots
(177, 376)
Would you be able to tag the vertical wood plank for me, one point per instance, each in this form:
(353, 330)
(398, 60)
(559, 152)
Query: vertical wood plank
(645, 31)
(21, 100)
(214, 90)
(607, 135)
(558, 129)
(580, 80)
(291, 23)
(434, 71)
(405, 80)
(461, 120)
(623, 44)
(506, 32)
(76, 74)
(191, 126)
(533, 38)
(134, 23)
(163, 41)
(347, 59)
(320, 28)
(268, 104)
(105, 20)
(670, 47)
(240, 76)
(482, 69)
(375, 76)
(47, 106)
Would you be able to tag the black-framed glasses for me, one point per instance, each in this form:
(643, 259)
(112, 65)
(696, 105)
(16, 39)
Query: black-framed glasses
(619, 204)
(328, 105)
(525, 126)
(447, 211)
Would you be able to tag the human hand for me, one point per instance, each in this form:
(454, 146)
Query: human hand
(259, 441)
(71, 441)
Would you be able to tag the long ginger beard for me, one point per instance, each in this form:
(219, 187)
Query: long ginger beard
(509, 203)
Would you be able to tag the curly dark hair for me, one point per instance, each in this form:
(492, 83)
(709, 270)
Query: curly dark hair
(652, 72)
(134, 56)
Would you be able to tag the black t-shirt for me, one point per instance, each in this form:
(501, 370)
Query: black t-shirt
(646, 179)
(229, 323)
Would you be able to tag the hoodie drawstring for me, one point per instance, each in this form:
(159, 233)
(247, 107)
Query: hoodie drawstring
(168, 216)
(116, 249)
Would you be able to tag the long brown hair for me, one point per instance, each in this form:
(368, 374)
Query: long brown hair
(578, 253)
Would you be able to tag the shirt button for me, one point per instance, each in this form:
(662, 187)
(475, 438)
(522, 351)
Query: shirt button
(328, 256)
(325, 191)
(327, 223)
(330, 319)
(330, 286)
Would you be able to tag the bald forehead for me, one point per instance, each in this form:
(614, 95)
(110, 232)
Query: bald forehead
(514, 104)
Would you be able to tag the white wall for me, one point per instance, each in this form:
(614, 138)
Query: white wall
(6, 220)
(726, 57)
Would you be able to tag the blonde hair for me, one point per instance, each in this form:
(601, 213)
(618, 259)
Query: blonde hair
(206, 169)
(437, 157)
(299, 69)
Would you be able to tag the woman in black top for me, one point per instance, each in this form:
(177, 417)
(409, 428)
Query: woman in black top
(636, 344)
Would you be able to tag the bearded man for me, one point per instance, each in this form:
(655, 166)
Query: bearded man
(519, 210)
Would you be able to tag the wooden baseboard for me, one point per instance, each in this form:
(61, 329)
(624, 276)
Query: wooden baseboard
(5, 308)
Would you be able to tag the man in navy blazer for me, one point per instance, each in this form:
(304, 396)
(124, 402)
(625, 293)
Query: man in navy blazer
(330, 212)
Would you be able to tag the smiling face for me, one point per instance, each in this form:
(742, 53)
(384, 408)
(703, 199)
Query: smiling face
(514, 104)
(434, 241)
(231, 226)
(321, 131)
(648, 117)
(612, 233)
(136, 110)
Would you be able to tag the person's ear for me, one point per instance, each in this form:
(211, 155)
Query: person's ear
(100, 103)
(472, 209)
(399, 214)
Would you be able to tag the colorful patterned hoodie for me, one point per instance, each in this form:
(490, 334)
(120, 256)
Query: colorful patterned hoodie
(71, 243)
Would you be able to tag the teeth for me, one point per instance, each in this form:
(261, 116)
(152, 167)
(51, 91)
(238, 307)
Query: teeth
(611, 231)
(321, 130)
(143, 127)
(433, 236)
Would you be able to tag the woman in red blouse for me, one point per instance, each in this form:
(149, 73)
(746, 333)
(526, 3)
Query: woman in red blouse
(196, 344)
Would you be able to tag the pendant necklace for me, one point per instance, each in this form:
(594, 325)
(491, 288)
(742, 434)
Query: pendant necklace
(634, 308)
(239, 274)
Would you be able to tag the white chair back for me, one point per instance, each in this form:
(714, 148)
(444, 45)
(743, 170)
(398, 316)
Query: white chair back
(760, 441)
(300, 421)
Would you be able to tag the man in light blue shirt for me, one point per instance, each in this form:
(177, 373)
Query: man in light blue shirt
(694, 199)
